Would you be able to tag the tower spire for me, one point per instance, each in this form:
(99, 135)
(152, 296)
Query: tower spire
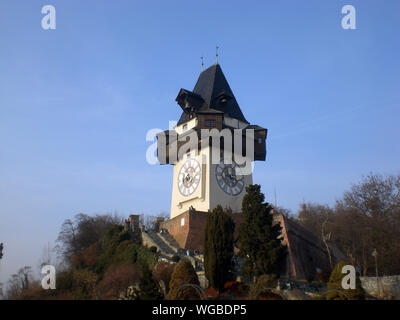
(202, 64)
(216, 54)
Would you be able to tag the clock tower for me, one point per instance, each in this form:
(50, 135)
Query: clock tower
(201, 181)
(212, 124)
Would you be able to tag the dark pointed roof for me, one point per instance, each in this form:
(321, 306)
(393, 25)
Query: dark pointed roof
(216, 93)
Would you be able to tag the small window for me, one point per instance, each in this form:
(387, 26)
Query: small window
(184, 127)
(259, 140)
(182, 222)
(209, 123)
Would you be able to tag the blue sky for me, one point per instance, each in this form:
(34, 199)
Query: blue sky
(76, 102)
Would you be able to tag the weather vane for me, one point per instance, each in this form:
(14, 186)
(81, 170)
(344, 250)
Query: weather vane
(216, 53)
(202, 64)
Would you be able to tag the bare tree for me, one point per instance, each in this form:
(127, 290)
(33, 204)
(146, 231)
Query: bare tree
(325, 238)
(313, 217)
(84, 231)
(368, 218)
(48, 257)
(19, 282)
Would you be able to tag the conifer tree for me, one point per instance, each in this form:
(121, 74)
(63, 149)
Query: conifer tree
(259, 246)
(218, 248)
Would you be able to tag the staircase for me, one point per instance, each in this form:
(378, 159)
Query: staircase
(171, 242)
(151, 238)
(168, 248)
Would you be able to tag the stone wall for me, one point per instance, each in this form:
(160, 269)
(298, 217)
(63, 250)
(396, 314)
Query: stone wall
(188, 228)
(389, 286)
(306, 254)
(178, 228)
(197, 225)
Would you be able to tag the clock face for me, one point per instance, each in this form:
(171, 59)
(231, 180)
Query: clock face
(229, 178)
(189, 177)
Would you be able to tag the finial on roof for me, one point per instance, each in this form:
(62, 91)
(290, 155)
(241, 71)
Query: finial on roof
(216, 54)
(202, 64)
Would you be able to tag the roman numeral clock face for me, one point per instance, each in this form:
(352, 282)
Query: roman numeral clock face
(229, 178)
(189, 177)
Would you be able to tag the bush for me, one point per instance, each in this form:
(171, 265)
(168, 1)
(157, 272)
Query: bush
(118, 247)
(83, 285)
(110, 250)
(126, 252)
(118, 277)
(183, 274)
(263, 284)
(87, 258)
(163, 272)
(146, 258)
(64, 281)
(76, 284)
(335, 290)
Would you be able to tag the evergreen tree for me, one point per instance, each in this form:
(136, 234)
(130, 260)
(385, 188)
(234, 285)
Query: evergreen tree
(259, 246)
(148, 287)
(183, 275)
(218, 248)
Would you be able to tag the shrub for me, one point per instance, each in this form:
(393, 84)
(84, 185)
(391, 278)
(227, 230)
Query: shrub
(126, 252)
(163, 272)
(110, 250)
(335, 290)
(64, 281)
(183, 274)
(263, 284)
(87, 258)
(118, 277)
(83, 285)
(146, 258)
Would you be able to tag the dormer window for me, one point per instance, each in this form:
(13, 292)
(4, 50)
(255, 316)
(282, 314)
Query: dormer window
(223, 98)
(184, 128)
